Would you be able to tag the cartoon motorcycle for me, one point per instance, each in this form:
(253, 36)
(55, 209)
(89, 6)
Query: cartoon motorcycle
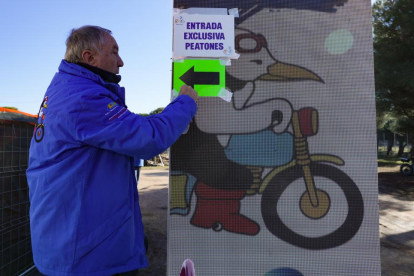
(314, 203)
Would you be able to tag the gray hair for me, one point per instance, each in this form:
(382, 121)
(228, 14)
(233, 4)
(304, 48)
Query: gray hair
(84, 38)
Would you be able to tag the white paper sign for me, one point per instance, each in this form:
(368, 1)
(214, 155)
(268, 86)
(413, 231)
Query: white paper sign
(204, 36)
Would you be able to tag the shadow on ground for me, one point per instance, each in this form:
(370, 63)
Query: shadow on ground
(396, 260)
(396, 197)
(395, 184)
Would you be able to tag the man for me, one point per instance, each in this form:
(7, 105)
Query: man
(85, 215)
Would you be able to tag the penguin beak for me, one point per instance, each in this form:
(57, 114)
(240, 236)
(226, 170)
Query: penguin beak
(280, 71)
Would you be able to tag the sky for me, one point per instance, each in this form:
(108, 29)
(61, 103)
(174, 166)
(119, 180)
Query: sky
(33, 44)
(33, 35)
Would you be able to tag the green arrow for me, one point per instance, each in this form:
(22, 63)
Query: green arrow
(206, 76)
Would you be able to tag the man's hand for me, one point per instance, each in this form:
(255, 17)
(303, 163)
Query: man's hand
(187, 90)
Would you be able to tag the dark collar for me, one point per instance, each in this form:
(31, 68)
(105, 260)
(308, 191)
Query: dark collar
(105, 75)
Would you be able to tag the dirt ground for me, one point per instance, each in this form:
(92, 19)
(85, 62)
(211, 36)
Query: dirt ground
(153, 197)
(396, 224)
(396, 204)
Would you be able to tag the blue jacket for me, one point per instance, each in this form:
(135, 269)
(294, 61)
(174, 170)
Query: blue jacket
(85, 215)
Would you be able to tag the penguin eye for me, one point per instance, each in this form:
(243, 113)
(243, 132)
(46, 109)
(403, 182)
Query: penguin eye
(248, 44)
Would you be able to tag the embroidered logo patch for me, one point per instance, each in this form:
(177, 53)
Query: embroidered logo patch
(39, 133)
(45, 102)
(39, 130)
(118, 114)
(111, 105)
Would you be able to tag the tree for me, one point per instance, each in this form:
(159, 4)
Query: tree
(400, 127)
(157, 111)
(393, 22)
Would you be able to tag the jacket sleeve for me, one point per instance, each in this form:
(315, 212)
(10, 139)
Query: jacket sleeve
(104, 124)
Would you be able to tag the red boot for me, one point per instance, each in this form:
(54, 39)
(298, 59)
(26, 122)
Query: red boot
(217, 207)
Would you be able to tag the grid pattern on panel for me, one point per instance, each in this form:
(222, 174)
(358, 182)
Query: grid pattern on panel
(281, 178)
(15, 249)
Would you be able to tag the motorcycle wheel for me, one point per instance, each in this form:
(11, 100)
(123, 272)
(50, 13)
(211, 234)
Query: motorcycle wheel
(406, 169)
(341, 235)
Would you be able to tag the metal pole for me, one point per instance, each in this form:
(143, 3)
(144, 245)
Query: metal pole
(159, 155)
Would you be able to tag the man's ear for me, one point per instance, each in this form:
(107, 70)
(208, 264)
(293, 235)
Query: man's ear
(88, 57)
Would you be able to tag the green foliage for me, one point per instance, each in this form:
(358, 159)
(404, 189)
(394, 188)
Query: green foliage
(401, 126)
(157, 111)
(393, 22)
(385, 161)
(10, 107)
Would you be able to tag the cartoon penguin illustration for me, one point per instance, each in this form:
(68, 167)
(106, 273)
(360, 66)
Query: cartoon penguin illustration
(219, 145)
(227, 139)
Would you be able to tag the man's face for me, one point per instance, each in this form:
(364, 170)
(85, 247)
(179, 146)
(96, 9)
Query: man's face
(109, 58)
